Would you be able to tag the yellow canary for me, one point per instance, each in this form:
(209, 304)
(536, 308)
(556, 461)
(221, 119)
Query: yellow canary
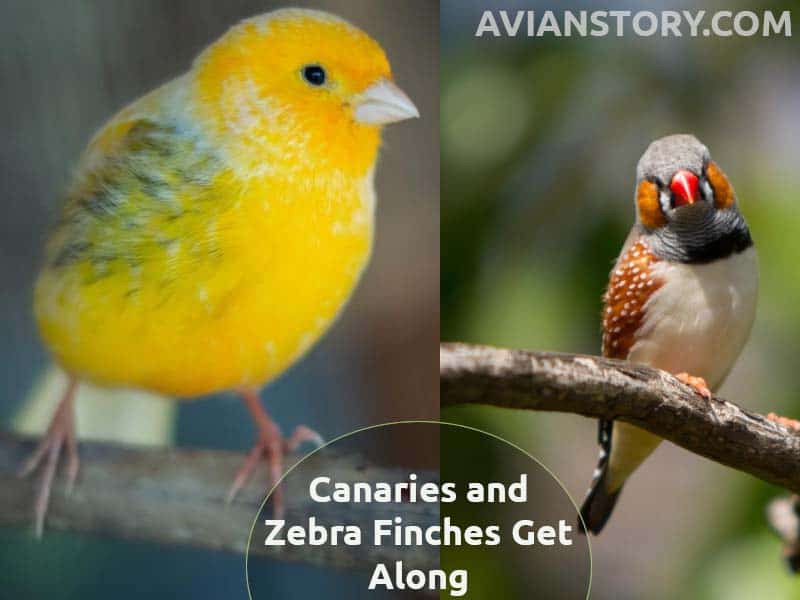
(217, 225)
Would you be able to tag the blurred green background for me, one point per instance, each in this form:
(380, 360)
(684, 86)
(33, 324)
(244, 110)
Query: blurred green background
(540, 139)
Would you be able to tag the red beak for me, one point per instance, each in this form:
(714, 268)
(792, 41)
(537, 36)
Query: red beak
(684, 187)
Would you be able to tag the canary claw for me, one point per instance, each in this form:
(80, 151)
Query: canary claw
(270, 447)
(697, 383)
(793, 424)
(60, 432)
(301, 435)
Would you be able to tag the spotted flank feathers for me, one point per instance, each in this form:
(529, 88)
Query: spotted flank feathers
(632, 283)
(687, 276)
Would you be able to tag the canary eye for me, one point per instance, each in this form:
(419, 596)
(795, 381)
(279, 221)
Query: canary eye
(314, 74)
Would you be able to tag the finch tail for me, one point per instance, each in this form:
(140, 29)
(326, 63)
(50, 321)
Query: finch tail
(599, 502)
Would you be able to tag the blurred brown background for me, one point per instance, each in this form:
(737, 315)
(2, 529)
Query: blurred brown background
(65, 68)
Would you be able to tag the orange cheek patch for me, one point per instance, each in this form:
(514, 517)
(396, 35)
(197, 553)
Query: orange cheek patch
(723, 192)
(647, 204)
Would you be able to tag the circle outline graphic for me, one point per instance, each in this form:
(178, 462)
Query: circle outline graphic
(411, 422)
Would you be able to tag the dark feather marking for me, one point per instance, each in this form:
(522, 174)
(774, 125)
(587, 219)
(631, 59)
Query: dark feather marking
(70, 253)
(114, 203)
(733, 242)
(599, 503)
(101, 203)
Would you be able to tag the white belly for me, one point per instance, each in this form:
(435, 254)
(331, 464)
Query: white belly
(697, 322)
(700, 318)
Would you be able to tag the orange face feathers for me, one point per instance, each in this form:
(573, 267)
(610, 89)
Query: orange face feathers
(271, 51)
(723, 192)
(324, 86)
(648, 205)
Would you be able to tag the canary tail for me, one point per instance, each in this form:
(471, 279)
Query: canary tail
(599, 502)
(121, 416)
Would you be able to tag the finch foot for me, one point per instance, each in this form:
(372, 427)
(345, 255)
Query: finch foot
(793, 424)
(61, 432)
(697, 383)
(270, 447)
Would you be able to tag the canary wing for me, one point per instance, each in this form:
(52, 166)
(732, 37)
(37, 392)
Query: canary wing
(133, 206)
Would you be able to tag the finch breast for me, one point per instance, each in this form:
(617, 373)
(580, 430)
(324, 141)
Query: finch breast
(169, 271)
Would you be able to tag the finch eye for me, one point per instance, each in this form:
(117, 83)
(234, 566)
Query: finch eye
(314, 74)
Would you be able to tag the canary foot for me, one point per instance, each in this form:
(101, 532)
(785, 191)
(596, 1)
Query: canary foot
(60, 432)
(270, 446)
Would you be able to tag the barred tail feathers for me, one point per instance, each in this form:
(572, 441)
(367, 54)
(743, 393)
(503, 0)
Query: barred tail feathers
(631, 446)
(599, 502)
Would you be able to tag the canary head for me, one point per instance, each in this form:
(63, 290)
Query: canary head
(307, 79)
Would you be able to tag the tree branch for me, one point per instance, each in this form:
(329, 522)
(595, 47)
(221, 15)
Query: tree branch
(177, 497)
(604, 388)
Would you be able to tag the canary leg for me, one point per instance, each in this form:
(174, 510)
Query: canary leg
(60, 433)
(697, 383)
(270, 446)
(785, 421)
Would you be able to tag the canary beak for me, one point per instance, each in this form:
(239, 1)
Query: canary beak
(382, 103)
(684, 188)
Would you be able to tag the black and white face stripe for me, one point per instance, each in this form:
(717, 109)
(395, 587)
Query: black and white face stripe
(605, 429)
(706, 191)
(664, 200)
